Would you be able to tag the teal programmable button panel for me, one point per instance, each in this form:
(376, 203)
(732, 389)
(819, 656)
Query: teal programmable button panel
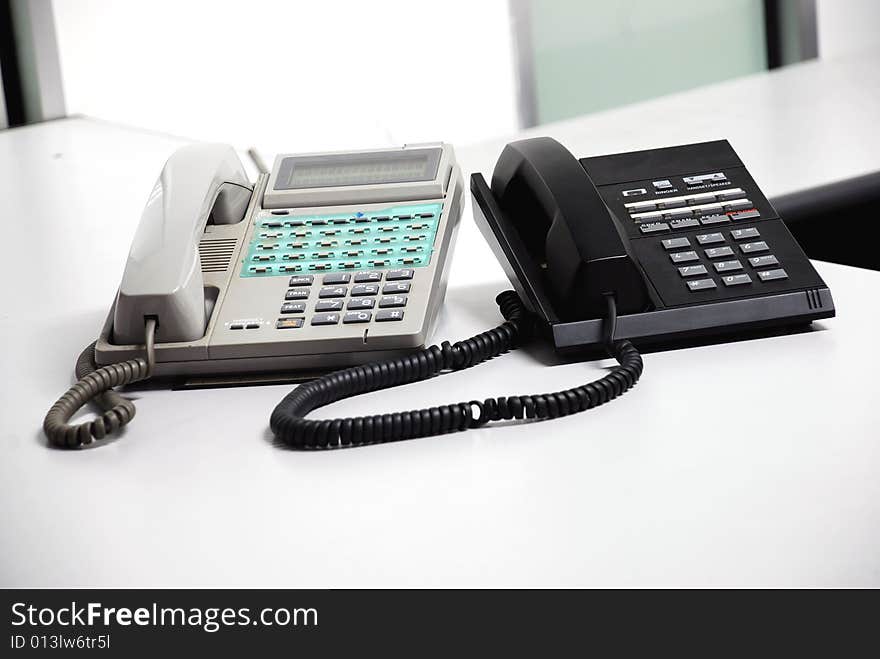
(393, 237)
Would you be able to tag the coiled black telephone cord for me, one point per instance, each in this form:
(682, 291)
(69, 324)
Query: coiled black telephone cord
(288, 420)
(289, 424)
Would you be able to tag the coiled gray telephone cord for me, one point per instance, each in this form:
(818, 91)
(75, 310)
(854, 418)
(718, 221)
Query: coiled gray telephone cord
(96, 384)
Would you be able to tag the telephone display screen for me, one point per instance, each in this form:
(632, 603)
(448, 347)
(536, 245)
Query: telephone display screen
(377, 168)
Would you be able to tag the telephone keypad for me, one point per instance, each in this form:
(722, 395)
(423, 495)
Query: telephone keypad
(684, 257)
(402, 273)
(362, 277)
(338, 278)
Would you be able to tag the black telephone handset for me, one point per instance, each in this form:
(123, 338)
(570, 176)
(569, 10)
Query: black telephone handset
(567, 230)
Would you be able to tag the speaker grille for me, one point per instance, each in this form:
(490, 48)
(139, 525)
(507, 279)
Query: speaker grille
(814, 300)
(216, 253)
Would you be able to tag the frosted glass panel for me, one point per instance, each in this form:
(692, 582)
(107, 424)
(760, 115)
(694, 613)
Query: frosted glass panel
(593, 54)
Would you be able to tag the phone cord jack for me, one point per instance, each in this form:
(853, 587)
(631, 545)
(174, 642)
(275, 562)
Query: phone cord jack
(289, 424)
(96, 384)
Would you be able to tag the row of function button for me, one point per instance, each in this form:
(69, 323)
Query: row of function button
(370, 276)
(708, 220)
(689, 181)
(635, 208)
(389, 239)
(358, 218)
(318, 319)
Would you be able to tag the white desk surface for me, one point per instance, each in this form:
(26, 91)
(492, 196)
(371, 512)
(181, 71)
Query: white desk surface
(751, 463)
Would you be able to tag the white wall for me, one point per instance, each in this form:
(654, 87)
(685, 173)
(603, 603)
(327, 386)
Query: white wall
(292, 76)
(847, 26)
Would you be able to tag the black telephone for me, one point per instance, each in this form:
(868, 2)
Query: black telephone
(614, 253)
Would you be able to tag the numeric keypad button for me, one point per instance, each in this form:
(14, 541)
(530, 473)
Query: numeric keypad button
(325, 319)
(396, 288)
(357, 317)
(387, 315)
(364, 277)
(364, 289)
(400, 273)
(332, 291)
(329, 305)
(361, 303)
(393, 301)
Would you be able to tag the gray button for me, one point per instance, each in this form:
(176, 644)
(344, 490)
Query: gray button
(401, 273)
(727, 266)
(641, 206)
(751, 248)
(692, 270)
(329, 305)
(710, 238)
(700, 284)
(332, 291)
(736, 280)
(662, 185)
(293, 307)
(389, 315)
(735, 205)
(252, 326)
(339, 278)
(709, 209)
(671, 203)
(675, 243)
(678, 214)
(648, 217)
(714, 219)
(396, 287)
(357, 317)
(361, 303)
(699, 179)
(296, 294)
(683, 224)
(325, 319)
(702, 198)
(745, 215)
(763, 261)
(684, 257)
(364, 289)
(718, 252)
(236, 326)
(626, 193)
(730, 195)
(772, 275)
(301, 280)
(743, 234)
(393, 301)
(654, 227)
(361, 277)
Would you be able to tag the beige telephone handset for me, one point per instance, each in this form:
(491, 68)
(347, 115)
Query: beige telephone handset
(163, 275)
